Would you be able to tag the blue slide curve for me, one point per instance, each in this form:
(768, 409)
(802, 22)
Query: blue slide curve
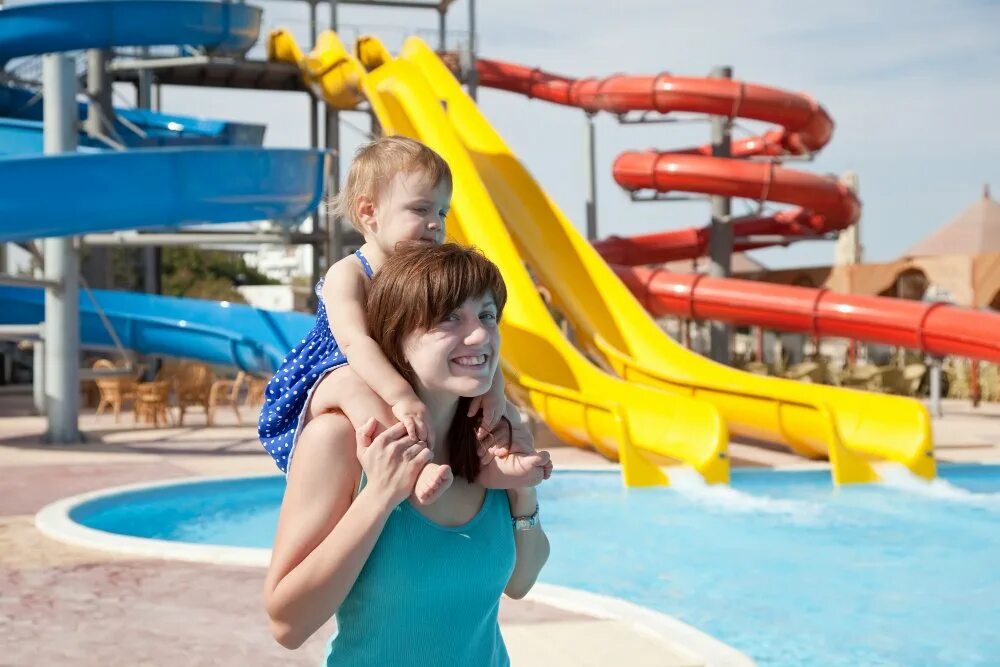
(253, 339)
(102, 190)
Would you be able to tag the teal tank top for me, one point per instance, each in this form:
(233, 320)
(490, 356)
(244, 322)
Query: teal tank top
(429, 594)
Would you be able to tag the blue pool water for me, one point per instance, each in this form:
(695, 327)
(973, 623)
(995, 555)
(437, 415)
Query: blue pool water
(782, 566)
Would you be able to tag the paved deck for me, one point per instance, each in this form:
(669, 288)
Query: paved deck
(64, 604)
(61, 604)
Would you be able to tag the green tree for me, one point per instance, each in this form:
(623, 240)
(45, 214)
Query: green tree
(207, 274)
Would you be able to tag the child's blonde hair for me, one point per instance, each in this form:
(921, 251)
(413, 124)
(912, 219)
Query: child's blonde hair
(377, 162)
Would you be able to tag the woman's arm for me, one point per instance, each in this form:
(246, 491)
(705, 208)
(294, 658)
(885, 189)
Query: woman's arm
(323, 538)
(344, 295)
(532, 545)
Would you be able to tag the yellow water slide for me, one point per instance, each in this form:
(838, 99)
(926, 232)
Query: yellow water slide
(854, 429)
(643, 426)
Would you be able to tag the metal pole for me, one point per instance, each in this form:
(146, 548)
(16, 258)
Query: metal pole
(99, 92)
(591, 180)
(313, 103)
(62, 304)
(334, 243)
(936, 386)
(442, 28)
(152, 256)
(97, 267)
(473, 73)
(720, 245)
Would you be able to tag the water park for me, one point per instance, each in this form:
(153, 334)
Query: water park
(754, 465)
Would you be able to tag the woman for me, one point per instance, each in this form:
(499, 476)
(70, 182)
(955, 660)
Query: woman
(409, 585)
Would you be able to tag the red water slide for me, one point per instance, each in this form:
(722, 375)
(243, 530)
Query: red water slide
(821, 204)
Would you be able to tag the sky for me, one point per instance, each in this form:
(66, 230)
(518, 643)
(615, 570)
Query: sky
(913, 87)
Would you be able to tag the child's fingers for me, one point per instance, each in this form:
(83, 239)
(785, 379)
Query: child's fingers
(410, 424)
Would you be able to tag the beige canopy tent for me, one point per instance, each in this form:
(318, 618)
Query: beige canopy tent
(960, 260)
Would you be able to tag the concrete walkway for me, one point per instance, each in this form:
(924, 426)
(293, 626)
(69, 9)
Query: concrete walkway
(61, 604)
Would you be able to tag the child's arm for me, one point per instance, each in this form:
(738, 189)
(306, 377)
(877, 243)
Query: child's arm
(493, 404)
(344, 295)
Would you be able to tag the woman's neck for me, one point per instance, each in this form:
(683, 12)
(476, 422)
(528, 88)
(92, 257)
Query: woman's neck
(442, 409)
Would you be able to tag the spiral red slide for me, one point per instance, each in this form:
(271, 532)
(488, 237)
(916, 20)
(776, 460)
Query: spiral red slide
(820, 204)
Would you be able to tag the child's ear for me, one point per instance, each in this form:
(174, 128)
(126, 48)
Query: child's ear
(364, 209)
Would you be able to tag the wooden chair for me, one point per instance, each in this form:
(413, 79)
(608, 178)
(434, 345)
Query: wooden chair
(989, 381)
(151, 402)
(192, 386)
(255, 391)
(115, 391)
(913, 377)
(226, 392)
(957, 371)
(867, 377)
(805, 371)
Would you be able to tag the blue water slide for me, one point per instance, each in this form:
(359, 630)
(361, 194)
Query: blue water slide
(219, 27)
(74, 193)
(215, 332)
(153, 187)
(135, 128)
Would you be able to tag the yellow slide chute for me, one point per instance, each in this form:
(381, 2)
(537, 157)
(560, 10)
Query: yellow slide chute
(667, 405)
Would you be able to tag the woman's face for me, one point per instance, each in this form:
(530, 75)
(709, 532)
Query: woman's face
(458, 356)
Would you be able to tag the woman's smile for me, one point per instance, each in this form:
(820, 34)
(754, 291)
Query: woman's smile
(474, 362)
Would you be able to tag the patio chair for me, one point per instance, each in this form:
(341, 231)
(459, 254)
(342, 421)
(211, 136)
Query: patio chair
(114, 391)
(226, 392)
(255, 391)
(989, 381)
(957, 372)
(151, 402)
(806, 371)
(192, 386)
(867, 377)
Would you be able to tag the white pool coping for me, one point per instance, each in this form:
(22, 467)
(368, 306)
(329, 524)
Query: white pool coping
(54, 521)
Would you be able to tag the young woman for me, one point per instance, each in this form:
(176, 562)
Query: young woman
(409, 584)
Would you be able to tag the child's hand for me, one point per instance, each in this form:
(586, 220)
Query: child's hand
(493, 407)
(413, 414)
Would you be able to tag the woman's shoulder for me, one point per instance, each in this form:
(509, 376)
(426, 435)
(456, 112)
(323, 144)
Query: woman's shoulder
(326, 454)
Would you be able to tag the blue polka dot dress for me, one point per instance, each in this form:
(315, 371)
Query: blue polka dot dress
(288, 392)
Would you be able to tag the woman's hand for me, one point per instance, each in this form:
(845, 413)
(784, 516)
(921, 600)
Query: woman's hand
(391, 461)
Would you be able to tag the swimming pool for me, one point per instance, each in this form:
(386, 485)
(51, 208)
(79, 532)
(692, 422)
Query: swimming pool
(781, 565)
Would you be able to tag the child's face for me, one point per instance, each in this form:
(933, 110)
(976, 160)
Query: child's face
(410, 209)
(458, 356)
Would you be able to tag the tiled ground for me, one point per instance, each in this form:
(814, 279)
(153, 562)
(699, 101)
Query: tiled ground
(61, 604)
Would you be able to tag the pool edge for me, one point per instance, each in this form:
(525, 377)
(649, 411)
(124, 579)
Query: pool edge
(54, 521)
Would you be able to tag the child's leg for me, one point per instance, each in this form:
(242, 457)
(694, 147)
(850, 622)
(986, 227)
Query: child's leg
(343, 391)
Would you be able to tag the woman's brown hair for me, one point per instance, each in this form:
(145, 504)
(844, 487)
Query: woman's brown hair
(416, 288)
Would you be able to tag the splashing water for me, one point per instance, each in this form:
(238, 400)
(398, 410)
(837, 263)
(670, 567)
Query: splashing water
(897, 477)
(723, 498)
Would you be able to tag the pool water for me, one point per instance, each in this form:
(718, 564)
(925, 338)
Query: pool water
(782, 566)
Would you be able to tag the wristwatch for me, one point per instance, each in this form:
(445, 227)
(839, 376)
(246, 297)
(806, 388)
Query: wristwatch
(526, 522)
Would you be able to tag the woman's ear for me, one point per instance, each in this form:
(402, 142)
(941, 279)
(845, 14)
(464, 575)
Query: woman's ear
(364, 210)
